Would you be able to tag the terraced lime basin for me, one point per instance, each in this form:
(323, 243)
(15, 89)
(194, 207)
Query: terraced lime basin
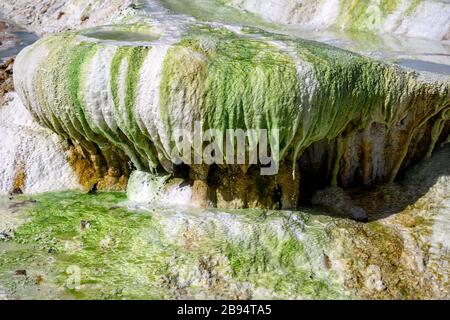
(135, 96)
(121, 34)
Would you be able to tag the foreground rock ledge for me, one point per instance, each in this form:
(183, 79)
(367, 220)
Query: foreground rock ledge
(344, 120)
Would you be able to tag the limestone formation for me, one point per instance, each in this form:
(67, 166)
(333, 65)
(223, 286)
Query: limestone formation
(360, 133)
(343, 118)
(128, 250)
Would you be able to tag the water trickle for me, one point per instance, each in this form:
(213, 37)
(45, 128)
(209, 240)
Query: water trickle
(121, 35)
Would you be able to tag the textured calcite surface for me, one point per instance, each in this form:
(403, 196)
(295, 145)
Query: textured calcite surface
(95, 109)
(116, 93)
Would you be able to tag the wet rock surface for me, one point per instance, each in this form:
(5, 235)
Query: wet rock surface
(344, 161)
(6, 78)
(13, 39)
(372, 136)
